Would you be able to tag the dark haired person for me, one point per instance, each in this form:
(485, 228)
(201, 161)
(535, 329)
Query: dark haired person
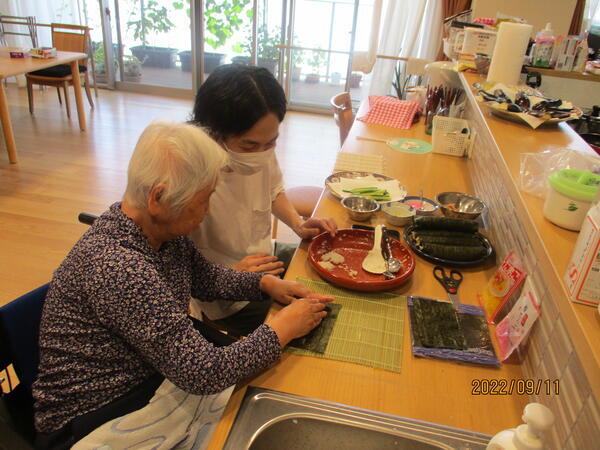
(241, 108)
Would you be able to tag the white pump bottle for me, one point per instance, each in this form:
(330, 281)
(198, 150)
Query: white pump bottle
(526, 436)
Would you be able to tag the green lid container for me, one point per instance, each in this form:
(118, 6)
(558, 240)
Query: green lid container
(578, 184)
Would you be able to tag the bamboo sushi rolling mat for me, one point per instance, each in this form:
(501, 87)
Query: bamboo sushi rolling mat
(369, 329)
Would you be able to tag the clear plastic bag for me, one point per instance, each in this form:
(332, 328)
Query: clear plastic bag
(535, 167)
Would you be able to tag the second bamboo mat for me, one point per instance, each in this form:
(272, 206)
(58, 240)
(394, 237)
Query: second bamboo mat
(369, 329)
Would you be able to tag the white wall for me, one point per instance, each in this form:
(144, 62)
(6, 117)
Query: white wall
(536, 12)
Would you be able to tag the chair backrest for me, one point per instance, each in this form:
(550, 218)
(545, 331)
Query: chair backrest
(341, 104)
(70, 38)
(28, 21)
(19, 332)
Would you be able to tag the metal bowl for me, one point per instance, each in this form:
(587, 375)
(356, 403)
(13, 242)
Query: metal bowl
(460, 205)
(427, 208)
(360, 208)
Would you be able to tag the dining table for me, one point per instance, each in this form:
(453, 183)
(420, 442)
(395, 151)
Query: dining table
(10, 67)
(432, 390)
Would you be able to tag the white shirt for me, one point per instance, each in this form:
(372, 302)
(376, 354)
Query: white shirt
(238, 223)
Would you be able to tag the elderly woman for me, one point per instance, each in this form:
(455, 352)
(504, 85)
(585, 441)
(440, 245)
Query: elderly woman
(241, 107)
(115, 319)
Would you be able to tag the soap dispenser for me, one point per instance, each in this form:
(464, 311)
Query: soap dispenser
(526, 436)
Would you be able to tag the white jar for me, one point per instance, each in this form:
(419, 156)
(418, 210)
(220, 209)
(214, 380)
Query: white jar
(570, 197)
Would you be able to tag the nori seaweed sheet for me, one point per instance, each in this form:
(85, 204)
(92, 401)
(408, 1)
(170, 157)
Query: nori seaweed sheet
(436, 325)
(473, 327)
(317, 340)
(476, 332)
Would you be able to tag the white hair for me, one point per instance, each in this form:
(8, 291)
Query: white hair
(179, 155)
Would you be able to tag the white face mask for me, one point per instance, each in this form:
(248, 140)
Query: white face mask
(248, 163)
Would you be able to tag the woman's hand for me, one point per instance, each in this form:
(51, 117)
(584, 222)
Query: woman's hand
(297, 319)
(287, 291)
(260, 262)
(314, 226)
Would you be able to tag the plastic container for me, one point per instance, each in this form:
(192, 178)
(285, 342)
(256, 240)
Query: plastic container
(450, 136)
(570, 197)
(538, 418)
(544, 44)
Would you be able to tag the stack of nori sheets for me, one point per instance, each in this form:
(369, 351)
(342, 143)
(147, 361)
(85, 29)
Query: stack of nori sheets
(438, 331)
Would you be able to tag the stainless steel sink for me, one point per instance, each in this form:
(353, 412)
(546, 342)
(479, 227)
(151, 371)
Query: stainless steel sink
(273, 420)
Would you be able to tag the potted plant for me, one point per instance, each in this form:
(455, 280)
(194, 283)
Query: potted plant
(132, 68)
(297, 60)
(355, 78)
(223, 18)
(153, 19)
(100, 64)
(267, 51)
(316, 63)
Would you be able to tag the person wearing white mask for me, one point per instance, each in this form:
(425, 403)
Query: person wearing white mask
(241, 108)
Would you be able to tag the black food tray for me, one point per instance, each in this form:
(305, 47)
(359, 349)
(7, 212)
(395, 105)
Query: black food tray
(448, 262)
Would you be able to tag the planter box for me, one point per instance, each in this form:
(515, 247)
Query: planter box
(211, 61)
(269, 64)
(312, 78)
(155, 56)
(355, 80)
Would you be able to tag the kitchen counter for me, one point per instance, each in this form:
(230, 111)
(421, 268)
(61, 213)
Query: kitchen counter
(552, 245)
(429, 390)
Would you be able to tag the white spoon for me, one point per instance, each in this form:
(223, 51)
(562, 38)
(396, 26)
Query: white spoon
(374, 261)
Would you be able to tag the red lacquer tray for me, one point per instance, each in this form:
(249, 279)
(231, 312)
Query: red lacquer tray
(354, 245)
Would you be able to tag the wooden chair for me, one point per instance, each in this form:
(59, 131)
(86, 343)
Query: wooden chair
(341, 104)
(76, 39)
(304, 199)
(28, 21)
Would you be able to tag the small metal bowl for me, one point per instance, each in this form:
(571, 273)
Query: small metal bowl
(414, 200)
(398, 214)
(460, 205)
(360, 208)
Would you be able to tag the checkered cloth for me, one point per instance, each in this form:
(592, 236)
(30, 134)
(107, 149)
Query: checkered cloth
(485, 21)
(390, 111)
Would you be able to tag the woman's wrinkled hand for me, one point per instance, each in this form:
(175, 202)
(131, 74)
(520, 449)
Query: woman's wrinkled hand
(297, 319)
(260, 262)
(287, 291)
(314, 226)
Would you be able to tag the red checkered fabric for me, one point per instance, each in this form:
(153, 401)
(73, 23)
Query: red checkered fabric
(485, 21)
(390, 111)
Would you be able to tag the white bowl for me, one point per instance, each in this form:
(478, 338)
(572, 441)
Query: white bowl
(398, 214)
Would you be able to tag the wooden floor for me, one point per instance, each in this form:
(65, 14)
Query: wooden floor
(62, 171)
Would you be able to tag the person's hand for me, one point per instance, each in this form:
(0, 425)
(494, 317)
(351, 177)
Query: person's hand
(287, 291)
(297, 319)
(314, 226)
(260, 262)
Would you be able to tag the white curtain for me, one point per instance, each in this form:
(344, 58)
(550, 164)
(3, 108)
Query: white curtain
(411, 28)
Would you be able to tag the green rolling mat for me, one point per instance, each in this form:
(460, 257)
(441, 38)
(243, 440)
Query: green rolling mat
(369, 329)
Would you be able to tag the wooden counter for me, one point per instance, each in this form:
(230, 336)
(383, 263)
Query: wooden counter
(430, 390)
(554, 244)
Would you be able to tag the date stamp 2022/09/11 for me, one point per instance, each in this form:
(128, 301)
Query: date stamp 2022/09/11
(502, 386)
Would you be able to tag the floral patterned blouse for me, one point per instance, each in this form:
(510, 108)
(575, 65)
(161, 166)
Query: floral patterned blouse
(116, 313)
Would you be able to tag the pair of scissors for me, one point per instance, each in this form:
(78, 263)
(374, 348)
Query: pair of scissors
(451, 281)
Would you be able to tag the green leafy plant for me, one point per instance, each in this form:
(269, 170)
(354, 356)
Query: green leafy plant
(402, 81)
(317, 61)
(266, 45)
(100, 60)
(132, 66)
(223, 18)
(153, 19)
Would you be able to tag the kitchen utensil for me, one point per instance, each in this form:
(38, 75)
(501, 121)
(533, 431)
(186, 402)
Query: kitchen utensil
(462, 206)
(374, 261)
(353, 245)
(450, 281)
(408, 238)
(360, 208)
(393, 265)
(398, 214)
